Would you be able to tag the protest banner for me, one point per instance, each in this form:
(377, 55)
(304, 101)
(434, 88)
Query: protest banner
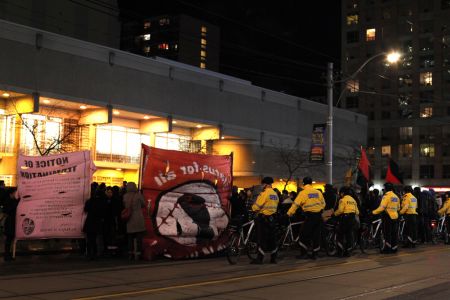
(53, 190)
(317, 143)
(187, 202)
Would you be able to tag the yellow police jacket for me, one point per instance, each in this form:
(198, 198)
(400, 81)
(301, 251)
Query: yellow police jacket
(266, 203)
(347, 205)
(391, 204)
(409, 204)
(445, 210)
(310, 200)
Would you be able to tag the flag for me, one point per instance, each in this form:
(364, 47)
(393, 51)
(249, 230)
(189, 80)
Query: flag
(393, 174)
(364, 165)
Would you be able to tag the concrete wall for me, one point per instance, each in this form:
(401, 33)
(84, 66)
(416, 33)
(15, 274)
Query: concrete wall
(75, 70)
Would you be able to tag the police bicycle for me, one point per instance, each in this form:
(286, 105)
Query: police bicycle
(290, 236)
(372, 235)
(439, 231)
(242, 239)
(401, 230)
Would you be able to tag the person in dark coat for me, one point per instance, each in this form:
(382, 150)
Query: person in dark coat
(113, 204)
(238, 209)
(93, 226)
(10, 209)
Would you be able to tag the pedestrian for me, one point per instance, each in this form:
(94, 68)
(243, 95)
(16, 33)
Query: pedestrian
(331, 198)
(409, 209)
(427, 215)
(265, 208)
(347, 211)
(238, 209)
(134, 202)
(312, 203)
(10, 209)
(95, 209)
(445, 211)
(389, 208)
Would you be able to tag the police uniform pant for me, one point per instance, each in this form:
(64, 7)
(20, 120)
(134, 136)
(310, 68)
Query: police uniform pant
(311, 232)
(266, 235)
(447, 221)
(390, 229)
(345, 234)
(411, 228)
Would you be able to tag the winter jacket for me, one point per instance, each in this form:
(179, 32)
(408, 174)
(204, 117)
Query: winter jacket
(134, 201)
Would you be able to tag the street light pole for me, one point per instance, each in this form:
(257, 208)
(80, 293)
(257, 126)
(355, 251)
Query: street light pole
(391, 57)
(330, 123)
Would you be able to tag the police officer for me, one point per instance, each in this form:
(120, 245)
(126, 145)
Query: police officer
(445, 211)
(409, 210)
(347, 210)
(265, 207)
(389, 206)
(312, 203)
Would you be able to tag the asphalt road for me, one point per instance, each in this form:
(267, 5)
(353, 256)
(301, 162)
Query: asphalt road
(421, 273)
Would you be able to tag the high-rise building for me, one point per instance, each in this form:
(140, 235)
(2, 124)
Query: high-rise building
(407, 104)
(180, 37)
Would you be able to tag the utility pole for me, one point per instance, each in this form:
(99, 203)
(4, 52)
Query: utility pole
(330, 123)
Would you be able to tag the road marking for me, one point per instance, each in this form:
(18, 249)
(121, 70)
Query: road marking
(226, 280)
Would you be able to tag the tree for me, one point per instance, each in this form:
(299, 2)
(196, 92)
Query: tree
(49, 134)
(291, 158)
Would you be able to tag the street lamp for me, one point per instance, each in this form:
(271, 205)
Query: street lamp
(391, 57)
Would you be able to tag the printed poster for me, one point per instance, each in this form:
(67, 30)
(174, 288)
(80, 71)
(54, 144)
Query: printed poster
(53, 190)
(317, 153)
(187, 202)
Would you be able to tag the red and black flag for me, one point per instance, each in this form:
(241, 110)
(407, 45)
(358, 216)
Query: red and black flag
(364, 173)
(393, 174)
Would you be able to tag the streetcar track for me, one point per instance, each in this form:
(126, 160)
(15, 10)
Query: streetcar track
(233, 279)
(218, 281)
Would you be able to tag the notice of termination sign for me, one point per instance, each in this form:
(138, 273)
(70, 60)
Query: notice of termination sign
(53, 190)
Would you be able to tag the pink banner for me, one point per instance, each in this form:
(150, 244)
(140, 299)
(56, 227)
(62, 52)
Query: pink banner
(53, 190)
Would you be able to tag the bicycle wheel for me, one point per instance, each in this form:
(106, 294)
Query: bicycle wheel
(381, 240)
(364, 241)
(435, 236)
(252, 246)
(234, 249)
(331, 247)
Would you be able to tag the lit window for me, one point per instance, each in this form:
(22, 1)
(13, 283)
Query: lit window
(41, 131)
(203, 53)
(147, 24)
(7, 129)
(426, 112)
(405, 150)
(163, 46)
(202, 65)
(353, 85)
(427, 150)
(175, 46)
(164, 21)
(203, 42)
(370, 34)
(204, 29)
(386, 150)
(352, 19)
(146, 37)
(172, 141)
(127, 151)
(147, 49)
(426, 79)
(405, 133)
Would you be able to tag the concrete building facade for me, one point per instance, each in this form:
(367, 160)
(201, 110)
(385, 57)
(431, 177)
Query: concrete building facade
(109, 101)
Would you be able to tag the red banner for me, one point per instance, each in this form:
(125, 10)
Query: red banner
(188, 202)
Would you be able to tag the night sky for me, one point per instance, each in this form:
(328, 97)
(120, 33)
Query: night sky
(281, 45)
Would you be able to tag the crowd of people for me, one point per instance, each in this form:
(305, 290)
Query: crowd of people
(106, 230)
(420, 209)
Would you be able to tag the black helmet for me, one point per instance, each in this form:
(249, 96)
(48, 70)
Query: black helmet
(388, 187)
(267, 180)
(408, 189)
(307, 180)
(344, 190)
